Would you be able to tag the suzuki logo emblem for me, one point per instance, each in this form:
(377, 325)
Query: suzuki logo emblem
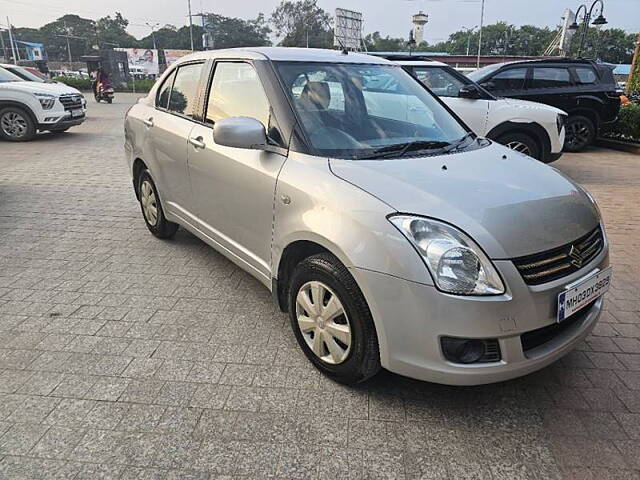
(576, 256)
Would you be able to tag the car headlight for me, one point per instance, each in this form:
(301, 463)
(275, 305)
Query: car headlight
(46, 101)
(456, 263)
(561, 120)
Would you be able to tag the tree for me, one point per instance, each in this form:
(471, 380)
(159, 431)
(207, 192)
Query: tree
(611, 45)
(302, 23)
(235, 32)
(377, 43)
(81, 35)
(113, 31)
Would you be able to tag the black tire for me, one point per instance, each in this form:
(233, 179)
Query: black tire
(109, 100)
(521, 142)
(580, 133)
(363, 359)
(161, 228)
(27, 129)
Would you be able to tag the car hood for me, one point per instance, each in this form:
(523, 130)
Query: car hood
(38, 87)
(515, 103)
(511, 204)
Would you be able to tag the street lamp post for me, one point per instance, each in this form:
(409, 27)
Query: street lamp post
(586, 18)
(469, 32)
(480, 34)
(153, 33)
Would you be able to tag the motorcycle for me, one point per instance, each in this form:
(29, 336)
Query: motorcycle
(104, 91)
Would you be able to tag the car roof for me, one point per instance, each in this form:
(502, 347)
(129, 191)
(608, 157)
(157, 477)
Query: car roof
(291, 54)
(552, 60)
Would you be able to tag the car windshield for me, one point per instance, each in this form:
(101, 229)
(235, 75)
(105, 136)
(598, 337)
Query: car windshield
(483, 72)
(368, 111)
(7, 76)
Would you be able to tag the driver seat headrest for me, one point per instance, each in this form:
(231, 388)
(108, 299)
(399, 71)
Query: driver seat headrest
(316, 95)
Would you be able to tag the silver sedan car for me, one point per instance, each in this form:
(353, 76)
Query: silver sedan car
(392, 235)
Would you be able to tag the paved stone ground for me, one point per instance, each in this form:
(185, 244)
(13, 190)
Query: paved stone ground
(127, 357)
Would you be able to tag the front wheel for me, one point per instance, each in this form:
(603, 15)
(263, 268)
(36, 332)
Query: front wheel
(16, 125)
(520, 142)
(580, 133)
(332, 321)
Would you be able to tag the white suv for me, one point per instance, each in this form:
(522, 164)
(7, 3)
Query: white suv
(531, 128)
(29, 107)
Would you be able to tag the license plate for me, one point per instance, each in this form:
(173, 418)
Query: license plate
(77, 113)
(576, 297)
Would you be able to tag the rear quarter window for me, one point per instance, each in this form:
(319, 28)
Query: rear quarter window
(585, 76)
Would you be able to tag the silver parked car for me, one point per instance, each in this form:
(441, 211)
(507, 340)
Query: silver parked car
(392, 235)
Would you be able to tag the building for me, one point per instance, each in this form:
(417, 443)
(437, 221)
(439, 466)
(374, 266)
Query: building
(420, 19)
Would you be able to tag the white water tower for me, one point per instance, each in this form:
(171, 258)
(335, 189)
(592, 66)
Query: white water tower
(420, 19)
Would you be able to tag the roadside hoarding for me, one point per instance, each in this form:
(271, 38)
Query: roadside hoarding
(141, 58)
(172, 56)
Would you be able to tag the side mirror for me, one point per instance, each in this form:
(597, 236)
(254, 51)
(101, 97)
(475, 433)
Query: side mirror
(240, 132)
(469, 91)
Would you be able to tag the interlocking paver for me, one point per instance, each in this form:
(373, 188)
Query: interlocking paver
(126, 357)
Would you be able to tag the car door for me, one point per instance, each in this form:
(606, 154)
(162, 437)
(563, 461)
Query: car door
(234, 188)
(552, 85)
(447, 85)
(169, 126)
(508, 82)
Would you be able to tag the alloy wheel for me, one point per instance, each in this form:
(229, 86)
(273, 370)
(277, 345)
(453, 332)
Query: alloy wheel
(149, 202)
(14, 125)
(323, 322)
(519, 147)
(578, 134)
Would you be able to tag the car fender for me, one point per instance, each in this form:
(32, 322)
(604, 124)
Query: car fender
(27, 108)
(537, 131)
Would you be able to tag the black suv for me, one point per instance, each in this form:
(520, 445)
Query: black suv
(586, 90)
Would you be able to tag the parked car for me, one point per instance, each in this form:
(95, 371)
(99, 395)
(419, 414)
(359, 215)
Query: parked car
(27, 74)
(29, 107)
(531, 128)
(586, 90)
(394, 239)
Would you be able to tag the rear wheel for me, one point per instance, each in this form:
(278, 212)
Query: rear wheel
(16, 125)
(332, 321)
(152, 211)
(580, 132)
(520, 142)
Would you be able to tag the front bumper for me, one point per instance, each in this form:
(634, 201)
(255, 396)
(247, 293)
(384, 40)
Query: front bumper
(411, 318)
(63, 122)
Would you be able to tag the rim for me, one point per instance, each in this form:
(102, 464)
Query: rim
(149, 203)
(577, 134)
(323, 322)
(14, 125)
(519, 147)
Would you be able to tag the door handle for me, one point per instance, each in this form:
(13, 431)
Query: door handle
(197, 142)
(148, 122)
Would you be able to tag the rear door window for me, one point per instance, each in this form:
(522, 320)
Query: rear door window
(184, 94)
(511, 79)
(550, 77)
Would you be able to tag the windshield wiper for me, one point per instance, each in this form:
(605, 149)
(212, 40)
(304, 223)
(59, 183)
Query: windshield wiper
(400, 149)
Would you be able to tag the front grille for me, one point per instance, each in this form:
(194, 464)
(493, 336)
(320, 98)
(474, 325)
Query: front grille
(535, 338)
(71, 102)
(560, 262)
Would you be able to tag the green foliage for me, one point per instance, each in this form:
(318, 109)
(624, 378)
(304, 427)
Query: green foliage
(628, 125)
(634, 78)
(82, 84)
(611, 45)
(235, 32)
(141, 86)
(112, 32)
(302, 23)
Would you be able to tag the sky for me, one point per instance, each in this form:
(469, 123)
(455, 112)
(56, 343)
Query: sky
(390, 17)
